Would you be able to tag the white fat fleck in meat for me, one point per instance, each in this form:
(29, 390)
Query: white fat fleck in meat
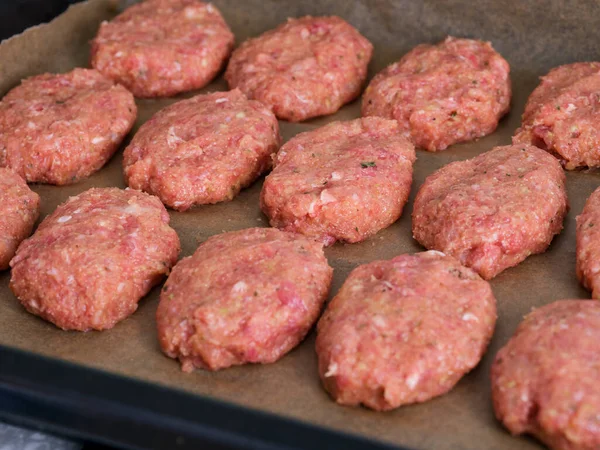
(435, 252)
(387, 284)
(412, 380)
(467, 317)
(311, 207)
(178, 204)
(64, 219)
(240, 115)
(570, 107)
(355, 197)
(34, 304)
(120, 287)
(221, 100)
(97, 140)
(172, 138)
(332, 370)
(119, 54)
(379, 321)
(335, 176)
(326, 197)
(304, 33)
(31, 125)
(239, 287)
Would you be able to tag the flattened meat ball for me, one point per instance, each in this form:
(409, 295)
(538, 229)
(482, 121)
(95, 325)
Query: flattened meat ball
(588, 245)
(91, 261)
(493, 211)
(344, 181)
(158, 48)
(545, 379)
(59, 129)
(247, 296)
(454, 91)
(562, 115)
(404, 331)
(304, 68)
(202, 150)
(19, 209)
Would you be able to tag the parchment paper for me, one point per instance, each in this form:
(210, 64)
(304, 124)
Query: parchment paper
(533, 35)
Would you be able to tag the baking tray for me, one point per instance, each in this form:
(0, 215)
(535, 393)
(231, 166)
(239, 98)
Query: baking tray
(118, 385)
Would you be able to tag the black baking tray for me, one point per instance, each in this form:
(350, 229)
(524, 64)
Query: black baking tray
(83, 403)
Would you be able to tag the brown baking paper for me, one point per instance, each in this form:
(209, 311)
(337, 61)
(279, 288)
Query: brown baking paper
(532, 35)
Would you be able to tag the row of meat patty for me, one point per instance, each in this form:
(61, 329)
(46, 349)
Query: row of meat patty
(398, 331)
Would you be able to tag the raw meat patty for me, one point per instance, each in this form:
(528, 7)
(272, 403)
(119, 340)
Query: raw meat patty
(344, 181)
(562, 115)
(248, 296)
(545, 380)
(159, 48)
(493, 211)
(442, 94)
(588, 245)
(404, 330)
(202, 150)
(304, 68)
(19, 209)
(61, 128)
(91, 261)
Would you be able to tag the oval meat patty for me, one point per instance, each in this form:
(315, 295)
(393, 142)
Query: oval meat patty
(442, 94)
(248, 296)
(91, 261)
(493, 211)
(545, 379)
(344, 181)
(304, 68)
(19, 209)
(159, 48)
(404, 330)
(59, 129)
(562, 115)
(588, 245)
(202, 150)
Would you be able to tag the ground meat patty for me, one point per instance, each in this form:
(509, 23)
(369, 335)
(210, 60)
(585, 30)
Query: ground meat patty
(304, 68)
(202, 150)
(159, 48)
(248, 296)
(493, 211)
(344, 181)
(442, 94)
(58, 129)
(404, 330)
(545, 380)
(562, 115)
(588, 245)
(19, 209)
(89, 263)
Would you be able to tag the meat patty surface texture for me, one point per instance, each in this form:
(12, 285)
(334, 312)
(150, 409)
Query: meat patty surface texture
(404, 330)
(61, 128)
(19, 209)
(202, 150)
(344, 181)
(588, 245)
(545, 379)
(492, 211)
(562, 115)
(246, 296)
(159, 48)
(90, 262)
(306, 67)
(442, 94)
